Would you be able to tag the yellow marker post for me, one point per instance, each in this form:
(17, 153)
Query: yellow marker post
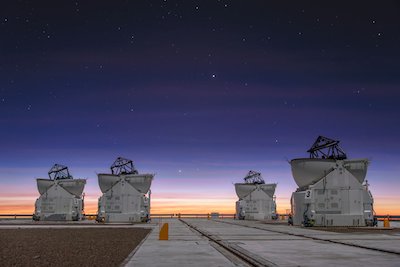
(208, 216)
(386, 222)
(164, 232)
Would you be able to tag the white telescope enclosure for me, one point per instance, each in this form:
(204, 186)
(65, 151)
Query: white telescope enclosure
(256, 198)
(126, 193)
(332, 190)
(60, 197)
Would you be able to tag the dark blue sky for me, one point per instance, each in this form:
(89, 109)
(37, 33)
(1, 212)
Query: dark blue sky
(191, 87)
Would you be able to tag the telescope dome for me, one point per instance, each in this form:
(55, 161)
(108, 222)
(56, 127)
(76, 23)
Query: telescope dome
(307, 171)
(269, 189)
(74, 186)
(106, 181)
(357, 167)
(140, 182)
(243, 190)
(44, 184)
(123, 168)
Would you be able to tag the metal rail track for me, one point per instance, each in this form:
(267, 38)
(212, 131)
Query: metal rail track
(244, 255)
(315, 238)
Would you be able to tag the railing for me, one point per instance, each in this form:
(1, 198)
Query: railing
(192, 215)
(390, 217)
(155, 215)
(16, 216)
(163, 215)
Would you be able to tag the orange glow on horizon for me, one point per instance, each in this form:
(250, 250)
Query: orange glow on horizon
(168, 205)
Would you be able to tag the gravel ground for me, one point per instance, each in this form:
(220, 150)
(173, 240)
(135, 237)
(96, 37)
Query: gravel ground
(68, 247)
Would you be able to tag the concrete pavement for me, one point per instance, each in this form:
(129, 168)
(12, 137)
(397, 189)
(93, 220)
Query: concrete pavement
(184, 248)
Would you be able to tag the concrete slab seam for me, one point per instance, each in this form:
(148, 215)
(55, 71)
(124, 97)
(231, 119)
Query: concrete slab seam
(316, 238)
(133, 252)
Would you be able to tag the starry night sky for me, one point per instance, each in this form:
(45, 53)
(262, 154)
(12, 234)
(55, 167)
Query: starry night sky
(198, 92)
